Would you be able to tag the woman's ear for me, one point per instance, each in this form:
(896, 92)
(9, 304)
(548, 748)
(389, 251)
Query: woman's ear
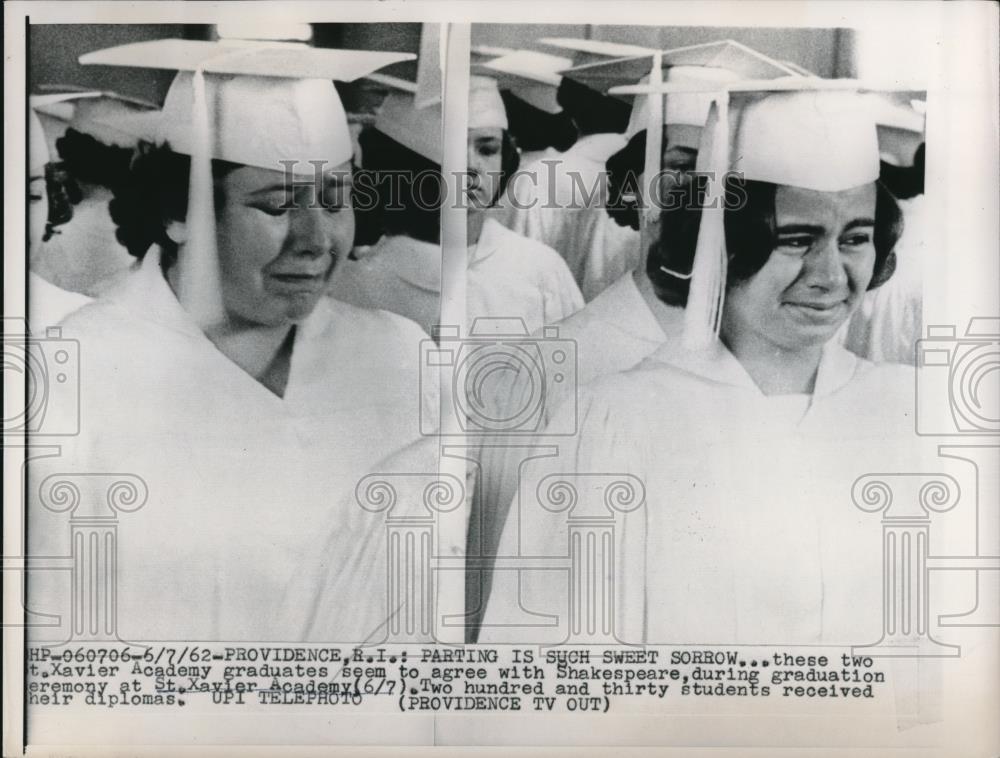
(177, 231)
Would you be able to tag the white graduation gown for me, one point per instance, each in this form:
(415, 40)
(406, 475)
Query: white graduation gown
(49, 304)
(611, 334)
(748, 534)
(612, 252)
(557, 201)
(84, 255)
(238, 478)
(509, 276)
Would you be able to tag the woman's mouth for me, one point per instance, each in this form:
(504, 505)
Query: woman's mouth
(818, 311)
(294, 282)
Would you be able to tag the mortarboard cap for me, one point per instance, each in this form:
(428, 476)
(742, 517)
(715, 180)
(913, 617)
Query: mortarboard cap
(483, 53)
(255, 104)
(38, 149)
(800, 70)
(587, 51)
(528, 75)
(690, 76)
(108, 117)
(419, 129)
(711, 63)
(900, 123)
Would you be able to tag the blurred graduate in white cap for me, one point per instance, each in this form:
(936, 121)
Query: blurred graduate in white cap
(632, 317)
(684, 114)
(556, 198)
(219, 371)
(95, 135)
(48, 303)
(528, 81)
(507, 276)
(889, 321)
(743, 446)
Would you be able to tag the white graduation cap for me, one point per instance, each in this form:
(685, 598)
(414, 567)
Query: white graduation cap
(900, 127)
(419, 128)
(483, 53)
(38, 149)
(108, 117)
(393, 82)
(254, 104)
(689, 76)
(587, 51)
(529, 75)
(693, 67)
(806, 132)
(800, 70)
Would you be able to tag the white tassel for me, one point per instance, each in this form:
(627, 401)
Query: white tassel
(703, 313)
(654, 152)
(199, 280)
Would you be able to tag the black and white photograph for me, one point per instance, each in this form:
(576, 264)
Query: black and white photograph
(442, 376)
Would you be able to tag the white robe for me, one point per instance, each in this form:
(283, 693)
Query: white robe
(613, 251)
(49, 304)
(508, 276)
(748, 533)
(612, 334)
(559, 201)
(238, 478)
(84, 255)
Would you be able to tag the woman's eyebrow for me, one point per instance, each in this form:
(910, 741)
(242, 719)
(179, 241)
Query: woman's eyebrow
(800, 229)
(278, 187)
(859, 222)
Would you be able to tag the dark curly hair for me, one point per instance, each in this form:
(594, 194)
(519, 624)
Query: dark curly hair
(905, 182)
(398, 191)
(750, 237)
(90, 160)
(154, 192)
(83, 159)
(63, 193)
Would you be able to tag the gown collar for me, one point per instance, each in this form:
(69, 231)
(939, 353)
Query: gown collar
(490, 240)
(146, 294)
(717, 364)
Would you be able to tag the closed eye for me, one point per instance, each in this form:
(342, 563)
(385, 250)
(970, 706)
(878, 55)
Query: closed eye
(270, 209)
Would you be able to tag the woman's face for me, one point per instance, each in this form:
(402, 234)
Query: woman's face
(816, 275)
(38, 209)
(485, 162)
(276, 259)
(673, 190)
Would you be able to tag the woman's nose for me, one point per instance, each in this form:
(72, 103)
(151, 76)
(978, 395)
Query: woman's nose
(312, 232)
(825, 266)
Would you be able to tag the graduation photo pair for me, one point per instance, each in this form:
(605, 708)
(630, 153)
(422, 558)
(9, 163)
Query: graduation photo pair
(247, 399)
